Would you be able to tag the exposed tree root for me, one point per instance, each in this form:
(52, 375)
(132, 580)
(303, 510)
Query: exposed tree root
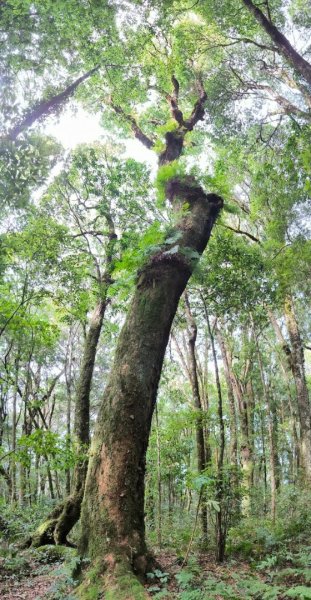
(44, 534)
(57, 526)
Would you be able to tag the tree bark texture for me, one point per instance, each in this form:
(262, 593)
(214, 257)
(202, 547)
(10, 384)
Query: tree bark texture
(112, 517)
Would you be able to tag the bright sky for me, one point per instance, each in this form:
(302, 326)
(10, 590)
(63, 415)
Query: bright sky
(76, 126)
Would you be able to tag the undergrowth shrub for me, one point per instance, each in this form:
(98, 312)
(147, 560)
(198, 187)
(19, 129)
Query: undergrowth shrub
(257, 536)
(20, 521)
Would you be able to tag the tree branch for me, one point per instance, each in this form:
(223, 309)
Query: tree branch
(241, 232)
(198, 111)
(47, 107)
(302, 66)
(138, 133)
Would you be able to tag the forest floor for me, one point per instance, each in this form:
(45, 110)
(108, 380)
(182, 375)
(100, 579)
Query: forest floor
(34, 575)
(47, 574)
(280, 576)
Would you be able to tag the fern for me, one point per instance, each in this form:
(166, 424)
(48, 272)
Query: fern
(301, 592)
(165, 173)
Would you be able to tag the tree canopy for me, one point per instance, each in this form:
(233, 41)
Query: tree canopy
(200, 394)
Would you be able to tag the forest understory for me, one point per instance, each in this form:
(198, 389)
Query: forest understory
(264, 562)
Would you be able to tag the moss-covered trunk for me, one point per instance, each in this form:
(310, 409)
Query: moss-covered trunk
(113, 507)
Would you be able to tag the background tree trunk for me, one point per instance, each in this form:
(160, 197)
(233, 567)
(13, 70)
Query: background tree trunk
(297, 364)
(199, 426)
(65, 515)
(283, 46)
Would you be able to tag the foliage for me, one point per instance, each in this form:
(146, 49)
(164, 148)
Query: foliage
(76, 223)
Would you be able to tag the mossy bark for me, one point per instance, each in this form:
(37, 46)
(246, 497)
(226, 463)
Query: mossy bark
(113, 507)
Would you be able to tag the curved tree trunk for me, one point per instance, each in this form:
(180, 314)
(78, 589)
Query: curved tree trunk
(113, 530)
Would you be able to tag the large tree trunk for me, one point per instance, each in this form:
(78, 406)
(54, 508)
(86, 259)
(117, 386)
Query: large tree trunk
(113, 530)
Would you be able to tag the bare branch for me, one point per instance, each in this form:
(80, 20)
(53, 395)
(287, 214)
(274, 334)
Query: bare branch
(138, 133)
(241, 232)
